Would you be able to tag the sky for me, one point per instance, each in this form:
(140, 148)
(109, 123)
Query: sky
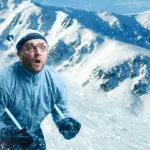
(116, 6)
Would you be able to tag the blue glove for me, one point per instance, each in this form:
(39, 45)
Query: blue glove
(12, 136)
(69, 128)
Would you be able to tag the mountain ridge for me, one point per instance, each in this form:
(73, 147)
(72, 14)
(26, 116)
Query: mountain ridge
(82, 42)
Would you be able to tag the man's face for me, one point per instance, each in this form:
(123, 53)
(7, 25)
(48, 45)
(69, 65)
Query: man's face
(33, 55)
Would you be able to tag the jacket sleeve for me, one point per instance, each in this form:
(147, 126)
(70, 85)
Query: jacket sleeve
(3, 101)
(61, 100)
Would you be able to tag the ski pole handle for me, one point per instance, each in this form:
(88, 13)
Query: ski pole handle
(13, 118)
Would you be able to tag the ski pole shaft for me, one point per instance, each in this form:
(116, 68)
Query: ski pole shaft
(17, 123)
(59, 112)
(13, 118)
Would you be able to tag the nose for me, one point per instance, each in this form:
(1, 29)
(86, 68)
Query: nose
(38, 51)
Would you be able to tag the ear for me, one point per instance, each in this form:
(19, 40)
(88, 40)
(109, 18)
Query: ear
(19, 54)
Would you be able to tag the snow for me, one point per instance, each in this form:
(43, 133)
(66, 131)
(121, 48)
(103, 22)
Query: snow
(108, 17)
(146, 104)
(111, 120)
(143, 19)
(106, 124)
(10, 15)
(107, 55)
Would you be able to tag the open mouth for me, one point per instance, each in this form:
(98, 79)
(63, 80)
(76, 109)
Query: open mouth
(37, 62)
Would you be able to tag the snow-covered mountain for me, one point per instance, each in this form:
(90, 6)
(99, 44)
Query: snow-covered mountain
(9, 4)
(103, 54)
(97, 49)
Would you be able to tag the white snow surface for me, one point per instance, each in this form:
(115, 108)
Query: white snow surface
(143, 19)
(107, 123)
(110, 120)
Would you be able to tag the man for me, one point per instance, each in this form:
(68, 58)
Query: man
(30, 90)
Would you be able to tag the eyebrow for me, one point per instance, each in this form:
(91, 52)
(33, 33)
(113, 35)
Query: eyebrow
(34, 44)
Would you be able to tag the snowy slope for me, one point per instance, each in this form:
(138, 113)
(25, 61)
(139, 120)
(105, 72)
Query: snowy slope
(116, 68)
(105, 60)
(106, 124)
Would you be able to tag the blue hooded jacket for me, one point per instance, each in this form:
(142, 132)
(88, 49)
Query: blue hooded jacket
(31, 96)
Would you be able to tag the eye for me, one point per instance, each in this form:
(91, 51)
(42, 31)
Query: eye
(43, 47)
(29, 47)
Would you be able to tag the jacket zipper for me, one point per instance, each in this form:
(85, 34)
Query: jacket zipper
(32, 102)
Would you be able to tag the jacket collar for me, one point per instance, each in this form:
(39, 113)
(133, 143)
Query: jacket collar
(31, 77)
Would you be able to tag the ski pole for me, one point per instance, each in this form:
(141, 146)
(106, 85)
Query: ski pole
(10, 38)
(17, 123)
(13, 118)
(59, 112)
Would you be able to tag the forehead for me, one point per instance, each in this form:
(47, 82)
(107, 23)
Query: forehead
(35, 41)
